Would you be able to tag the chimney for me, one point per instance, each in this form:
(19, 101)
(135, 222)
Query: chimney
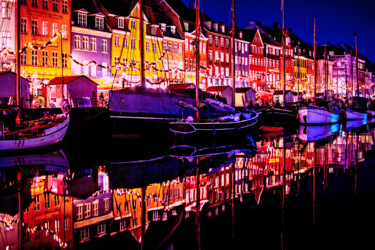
(276, 25)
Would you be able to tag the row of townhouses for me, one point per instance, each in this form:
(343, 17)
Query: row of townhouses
(100, 39)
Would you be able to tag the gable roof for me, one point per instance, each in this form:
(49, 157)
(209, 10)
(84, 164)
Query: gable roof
(67, 79)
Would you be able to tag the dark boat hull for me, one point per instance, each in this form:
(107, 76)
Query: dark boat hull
(279, 117)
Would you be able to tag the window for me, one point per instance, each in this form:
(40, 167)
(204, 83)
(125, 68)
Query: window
(117, 41)
(37, 202)
(85, 43)
(147, 45)
(34, 27)
(153, 30)
(95, 205)
(186, 64)
(6, 39)
(180, 49)
(222, 42)
(99, 23)
(87, 210)
(65, 6)
(164, 45)
(154, 48)
(125, 43)
(120, 22)
(82, 19)
(23, 58)
(5, 10)
(65, 60)
(104, 46)
(79, 212)
(54, 64)
(93, 44)
(210, 55)
(106, 204)
(104, 74)
(134, 204)
(45, 29)
(216, 41)
(77, 41)
(55, 5)
(227, 43)
(45, 4)
(34, 3)
(57, 226)
(133, 43)
(45, 63)
(64, 31)
(55, 29)
(23, 2)
(101, 228)
(34, 57)
(23, 25)
(85, 233)
(133, 24)
(122, 225)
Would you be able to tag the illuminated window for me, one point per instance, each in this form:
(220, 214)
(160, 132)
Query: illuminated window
(56, 198)
(120, 22)
(65, 60)
(106, 204)
(6, 40)
(67, 224)
(5, 10)
(93, 70)
(85, 43)
(55, 29)
(23, 58)
(36, 202)
(95, 205)
(64, 31)
(57, 226)
(87, 210)
(216, 41)
(117, 41)
(125, 43)
(154, 48)
(45, 29)
(134, 204)
(122, 225)
(79, 212)
(147, 46)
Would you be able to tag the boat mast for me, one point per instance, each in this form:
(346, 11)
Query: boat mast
(351, 72)
(18, 56)
(141, 45)
(315, 70)
(197, 56)
(356, 63)
(283, 41)
(233, 55)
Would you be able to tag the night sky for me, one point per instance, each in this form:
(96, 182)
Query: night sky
(337, 20)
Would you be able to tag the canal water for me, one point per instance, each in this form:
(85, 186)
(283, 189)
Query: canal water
(313, 188)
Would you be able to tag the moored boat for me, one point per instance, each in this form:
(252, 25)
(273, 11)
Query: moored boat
(311, 115)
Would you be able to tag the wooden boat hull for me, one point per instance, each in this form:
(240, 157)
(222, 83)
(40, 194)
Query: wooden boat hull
(212, 128)
(354, 115)
(311, 116)
(279, 116)
(51, 136)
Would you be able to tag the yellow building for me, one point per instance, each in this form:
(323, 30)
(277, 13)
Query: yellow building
(126, 45)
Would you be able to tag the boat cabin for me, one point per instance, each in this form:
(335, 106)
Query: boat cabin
(278, 97)
(8, 90)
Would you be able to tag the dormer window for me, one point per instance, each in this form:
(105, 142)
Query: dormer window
(223, 28)
(240, 34)
(173, 29)
(209, 25)
(99, 23)
(186, 26)
(120, 22)
(216, 27)
(163, 27)
(153, 29)
(82, 19)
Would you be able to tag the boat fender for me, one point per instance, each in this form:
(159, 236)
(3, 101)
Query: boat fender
(189, 119)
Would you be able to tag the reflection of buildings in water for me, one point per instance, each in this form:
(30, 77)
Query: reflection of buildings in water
(48, 219)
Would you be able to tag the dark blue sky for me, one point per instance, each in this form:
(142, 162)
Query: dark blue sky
(336, 20)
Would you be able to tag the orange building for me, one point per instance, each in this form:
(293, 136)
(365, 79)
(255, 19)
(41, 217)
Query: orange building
(45, 36)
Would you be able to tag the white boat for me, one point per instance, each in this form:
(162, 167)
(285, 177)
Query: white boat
(316, 115)
(355, 115)
(47, 136)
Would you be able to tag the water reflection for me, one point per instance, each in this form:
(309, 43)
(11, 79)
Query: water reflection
(182, 197)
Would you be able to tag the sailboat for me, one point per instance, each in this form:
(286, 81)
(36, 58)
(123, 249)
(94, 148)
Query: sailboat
(231, 121)
(31, 134)
(323, 112)
(359, 105)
